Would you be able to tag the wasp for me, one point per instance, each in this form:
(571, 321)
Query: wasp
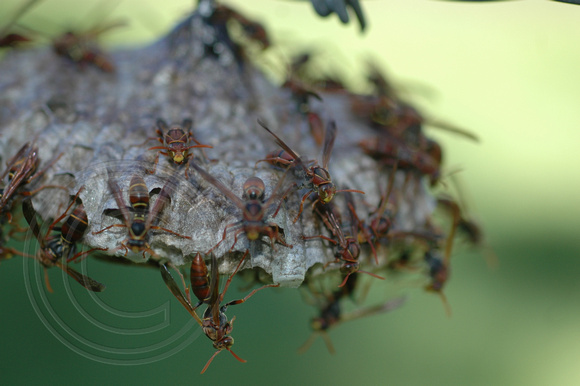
(300, 68)
(379, 222)
(215, 323)
(219, 18)
(252, 30)
(299, 83)
(388, 113)
(315, 178)
(439, 271)
(253, 206)
(82, 48)
(347, 246)
(331, 315)
(438, 265)
(140, 222)
(390, 151)
(54, 248)
(301, 94)
(15, 39)
(175, 142)
(72, 230)
(406, 122)
(22, 169)
(469, 228)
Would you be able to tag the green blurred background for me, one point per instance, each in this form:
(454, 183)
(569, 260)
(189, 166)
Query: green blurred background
(507, 71)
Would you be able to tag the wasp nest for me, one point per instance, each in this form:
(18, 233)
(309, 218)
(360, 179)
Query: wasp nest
(103, 122)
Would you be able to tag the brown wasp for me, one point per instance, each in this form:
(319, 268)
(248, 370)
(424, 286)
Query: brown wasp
(82, 48)
(22, 169)
(301, 94)
(391, 114)
(378, 223)
(72, 230)
(219, 18)
(347, 247)
(315, 178)
(468, 227)
(253, 209)
(390, 150)
(175, 142)
(439, 271)
(438, 265)
(215, 323)
(15, 39)
(331, 314)
(140, 222)
(299, 83)
(252, 30)
(54, 248)
(303, 75)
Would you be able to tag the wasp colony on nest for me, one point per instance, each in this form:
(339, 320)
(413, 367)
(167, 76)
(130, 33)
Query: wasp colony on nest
(182, 154)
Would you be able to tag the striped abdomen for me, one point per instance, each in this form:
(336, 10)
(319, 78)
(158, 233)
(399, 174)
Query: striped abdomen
(139, 197)
(200, 284)
(74, 227)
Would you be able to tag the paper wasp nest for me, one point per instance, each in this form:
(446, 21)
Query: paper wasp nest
(100, 122)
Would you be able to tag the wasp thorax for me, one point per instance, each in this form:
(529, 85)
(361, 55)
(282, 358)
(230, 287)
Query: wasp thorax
(137, 229)
(321, 174)
(55, 249)
(353, 249)
(254, 211)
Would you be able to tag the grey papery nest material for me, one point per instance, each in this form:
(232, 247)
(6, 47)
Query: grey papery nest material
(99, 121)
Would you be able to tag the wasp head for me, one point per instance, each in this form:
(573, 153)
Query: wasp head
(326, 192)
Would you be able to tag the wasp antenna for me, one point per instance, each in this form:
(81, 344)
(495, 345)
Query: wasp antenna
(350, 190)
(208, 362)
(328, 342)
(371, 274)
(236, 356)
(302, 349)
(445, 304)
